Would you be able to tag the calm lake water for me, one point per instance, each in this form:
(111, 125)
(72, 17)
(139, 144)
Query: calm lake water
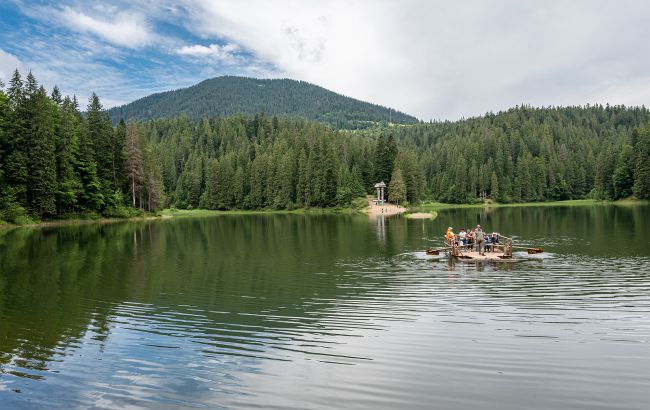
(291, 311)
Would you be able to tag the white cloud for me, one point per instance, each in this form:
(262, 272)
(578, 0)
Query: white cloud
(433, 59)
(124, 29)
(226, 53)
(8, 63)
(440, 59)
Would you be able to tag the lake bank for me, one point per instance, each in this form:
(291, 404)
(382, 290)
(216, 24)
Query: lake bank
(183, 213)
(437, 206)
(423, 211)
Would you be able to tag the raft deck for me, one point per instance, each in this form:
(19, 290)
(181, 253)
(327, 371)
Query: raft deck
(485, 257)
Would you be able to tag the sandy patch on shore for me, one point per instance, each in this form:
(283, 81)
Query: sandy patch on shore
(385, 209)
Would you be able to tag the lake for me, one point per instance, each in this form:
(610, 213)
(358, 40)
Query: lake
(328, 311)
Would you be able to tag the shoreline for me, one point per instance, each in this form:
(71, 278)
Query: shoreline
(372, 210)
(437, 206)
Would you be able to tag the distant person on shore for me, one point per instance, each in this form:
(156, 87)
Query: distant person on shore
(480, 239)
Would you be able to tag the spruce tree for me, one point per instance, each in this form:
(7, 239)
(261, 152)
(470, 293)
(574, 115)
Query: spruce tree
(15, 149)
(67, 152)
(623, 177)
(134, 162)
(494, 187)
(397, 188)
(42, 181)
(103, 138)
(641, 186)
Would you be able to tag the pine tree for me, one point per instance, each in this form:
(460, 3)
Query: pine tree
(15, 150)
(397, 188)
(56, 95)
(90, 198)
(494, 187)
(134, 162)
(118, 156)
(41, 152)
(67, 152)
(344, 189)
(153, 183)
(103, 138)
(641, 186)
(623, 177)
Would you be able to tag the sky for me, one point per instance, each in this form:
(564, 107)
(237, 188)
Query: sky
(436, 60)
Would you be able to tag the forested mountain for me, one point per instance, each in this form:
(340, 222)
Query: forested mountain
(228, 95)
(55, 163)
(535, 154)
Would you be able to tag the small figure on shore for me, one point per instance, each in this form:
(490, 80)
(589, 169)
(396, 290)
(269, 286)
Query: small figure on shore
(480, 238)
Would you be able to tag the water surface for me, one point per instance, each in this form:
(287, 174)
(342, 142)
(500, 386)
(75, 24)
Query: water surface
(292, 311)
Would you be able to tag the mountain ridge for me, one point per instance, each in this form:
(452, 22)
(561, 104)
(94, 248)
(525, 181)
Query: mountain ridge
(229, 95)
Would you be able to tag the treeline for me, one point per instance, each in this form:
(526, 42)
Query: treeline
(242, 162)
(535, 154)
(228, 95)
(54, 162)
(57, 162)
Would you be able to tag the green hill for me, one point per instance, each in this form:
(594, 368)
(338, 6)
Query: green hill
(280, 97)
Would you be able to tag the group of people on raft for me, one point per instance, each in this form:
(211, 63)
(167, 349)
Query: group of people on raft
(471, 238)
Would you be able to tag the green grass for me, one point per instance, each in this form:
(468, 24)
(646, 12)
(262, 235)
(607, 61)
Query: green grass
(356, 207)
(436, 206)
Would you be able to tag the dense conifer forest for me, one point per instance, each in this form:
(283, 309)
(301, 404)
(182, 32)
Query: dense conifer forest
(56, 162)
(535, 154)
(229, 95)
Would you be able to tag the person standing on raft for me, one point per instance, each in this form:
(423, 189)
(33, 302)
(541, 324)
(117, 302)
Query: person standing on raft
(480, 238)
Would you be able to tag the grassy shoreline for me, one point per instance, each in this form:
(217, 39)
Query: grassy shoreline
(437, 206)
(430, 207)
(180, 213)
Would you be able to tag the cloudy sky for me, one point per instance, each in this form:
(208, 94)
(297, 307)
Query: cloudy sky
(431, 59)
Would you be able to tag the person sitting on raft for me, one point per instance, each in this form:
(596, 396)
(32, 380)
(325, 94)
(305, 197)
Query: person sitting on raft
(470, 239)
(495, 241)
(450, 236)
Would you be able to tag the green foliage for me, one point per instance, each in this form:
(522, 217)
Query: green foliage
(536, 154)
(397, 188)
(385, 154)
(229, 95)
(56, 163)
(359, 204)
(623, 177)
(641, 186)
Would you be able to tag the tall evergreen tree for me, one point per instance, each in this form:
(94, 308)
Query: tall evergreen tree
(103, 137)
(134, 162)
(397, 188)
(623, 177)
(641, 186)
(41, 152)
